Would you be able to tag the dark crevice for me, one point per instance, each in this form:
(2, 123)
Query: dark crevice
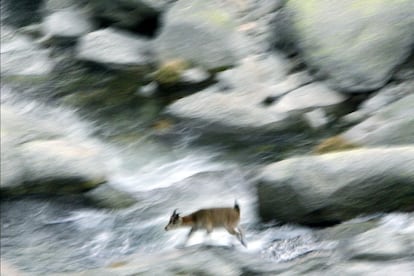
(147, 27)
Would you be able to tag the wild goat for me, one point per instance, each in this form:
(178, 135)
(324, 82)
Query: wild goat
(209, 219)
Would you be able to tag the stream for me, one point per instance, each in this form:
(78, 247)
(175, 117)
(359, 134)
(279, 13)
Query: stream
(164, 164)
(45, 235)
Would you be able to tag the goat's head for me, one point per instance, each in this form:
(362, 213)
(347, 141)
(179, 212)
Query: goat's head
(175, 221)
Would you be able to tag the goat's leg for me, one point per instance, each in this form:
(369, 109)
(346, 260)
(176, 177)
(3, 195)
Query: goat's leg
(242, 239)
(190, 233)
(238, 234)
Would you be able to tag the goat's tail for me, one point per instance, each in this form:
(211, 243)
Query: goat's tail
(236, 206)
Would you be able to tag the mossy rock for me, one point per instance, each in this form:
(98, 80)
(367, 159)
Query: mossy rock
(170, 71)
(335, 143)
(355, 45)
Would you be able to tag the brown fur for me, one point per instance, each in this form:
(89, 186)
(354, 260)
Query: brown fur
(209, 219)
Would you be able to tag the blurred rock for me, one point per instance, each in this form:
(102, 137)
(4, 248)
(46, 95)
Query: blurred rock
(255, 73)
(36, 158)
(316, 118)
(309, 97)
(194, 75)
(255, 107)
(20, 56)
(115, 48)
(148, 90)
(391, 125)
(335, 187)
(201, 33)
(255, 19)
(227, 112)
(386, 96)
(355, 45)
(69, 23)
(105, 196)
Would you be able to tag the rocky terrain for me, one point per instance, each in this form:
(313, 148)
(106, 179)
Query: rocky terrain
(312, 101)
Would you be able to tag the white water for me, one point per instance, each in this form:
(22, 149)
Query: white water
(66, 236)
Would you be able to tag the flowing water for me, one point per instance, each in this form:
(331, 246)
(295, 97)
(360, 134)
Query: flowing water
(66, 234)
(42, 235)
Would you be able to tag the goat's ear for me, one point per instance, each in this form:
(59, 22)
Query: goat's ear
(175, 212)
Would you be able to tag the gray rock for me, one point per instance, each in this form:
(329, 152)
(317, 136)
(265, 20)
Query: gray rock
(255, 73)
(63, 164)
(256, 18)
(391, 125)
(355, 45)
(37, 157)
(337, 186)
(309, 97)
(194, 75)
(114, 48)
(20, 56)
(147, 90)
(316, 118)
(227, 112)
(244, 107)
(386, 96)
(69, 23)
(201, 33)
(290, 83)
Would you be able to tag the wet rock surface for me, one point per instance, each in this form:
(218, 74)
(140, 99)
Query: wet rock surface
(114, 48)
(338, 186)
(38, 158)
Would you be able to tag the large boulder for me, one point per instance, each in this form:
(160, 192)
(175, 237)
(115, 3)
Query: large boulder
(38, 158)
(115, 48)
(200, 32)
(338, 186)
(356, 45)
(246, 109)
(255, 73)
(392, 124)
(309, 97)
(68, 23)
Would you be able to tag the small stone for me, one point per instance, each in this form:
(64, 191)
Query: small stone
(316, 118)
